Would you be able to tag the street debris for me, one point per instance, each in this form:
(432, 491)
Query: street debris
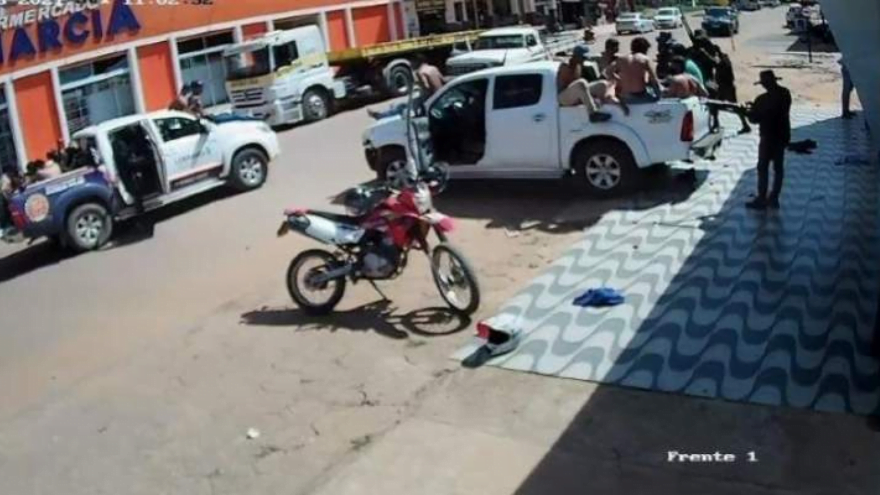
(253, 434)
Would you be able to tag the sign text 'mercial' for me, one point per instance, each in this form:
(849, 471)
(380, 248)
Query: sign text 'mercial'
(84, 20)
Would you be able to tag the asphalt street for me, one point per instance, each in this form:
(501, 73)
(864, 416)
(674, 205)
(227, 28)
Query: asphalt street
(65, 318)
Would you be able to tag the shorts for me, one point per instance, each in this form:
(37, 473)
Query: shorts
(638, 98)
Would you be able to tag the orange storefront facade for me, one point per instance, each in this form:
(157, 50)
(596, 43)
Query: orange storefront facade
(65, 66)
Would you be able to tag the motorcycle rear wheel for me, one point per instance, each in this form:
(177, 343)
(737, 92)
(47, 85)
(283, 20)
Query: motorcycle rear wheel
(296, 284)
(460, 275)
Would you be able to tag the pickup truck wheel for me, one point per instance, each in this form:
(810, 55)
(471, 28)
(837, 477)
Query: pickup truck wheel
(249, 170)
(391, 166)
(89, 227)
(316, 105)
(606, 169)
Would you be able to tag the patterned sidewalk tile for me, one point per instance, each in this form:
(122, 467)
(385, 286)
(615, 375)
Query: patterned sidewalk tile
(772, 308)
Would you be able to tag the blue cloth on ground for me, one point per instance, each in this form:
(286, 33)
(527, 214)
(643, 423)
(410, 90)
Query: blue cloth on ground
(603, 296)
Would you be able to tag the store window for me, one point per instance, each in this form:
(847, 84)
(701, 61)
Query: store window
(8, 156)
(96, 91)
(201, 59)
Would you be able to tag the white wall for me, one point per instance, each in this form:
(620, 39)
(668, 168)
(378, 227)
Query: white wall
(856, 27)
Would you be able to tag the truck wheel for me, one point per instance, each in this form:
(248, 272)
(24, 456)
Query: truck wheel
(606, 169)
(249, 170)
(316, 105)
(400, 79)
(391, 166)
(89, 227)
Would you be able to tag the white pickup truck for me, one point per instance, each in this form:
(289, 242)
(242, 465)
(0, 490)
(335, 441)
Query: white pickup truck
(507, 46)
(178, 156)
(507, 123)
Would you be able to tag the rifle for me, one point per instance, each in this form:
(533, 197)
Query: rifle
(726, 106)
(687, 27)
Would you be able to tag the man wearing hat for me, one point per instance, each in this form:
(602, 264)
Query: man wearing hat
(575, 90)
(771, 112)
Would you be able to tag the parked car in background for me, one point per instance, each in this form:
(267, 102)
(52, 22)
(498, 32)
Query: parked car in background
(497, 47)
(794, 11)
(748, 5)
(668, 18)
(770, 4)
(721, 21)
(631, 22)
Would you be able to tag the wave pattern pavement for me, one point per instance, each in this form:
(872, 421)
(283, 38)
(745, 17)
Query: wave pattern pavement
(773, 308)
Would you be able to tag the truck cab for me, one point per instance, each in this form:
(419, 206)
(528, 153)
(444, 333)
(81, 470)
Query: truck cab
(506, 123)
(162, 157)
(282, 77)
(499, 47)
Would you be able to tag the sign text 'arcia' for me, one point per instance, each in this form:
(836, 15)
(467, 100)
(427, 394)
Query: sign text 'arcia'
(40, 30)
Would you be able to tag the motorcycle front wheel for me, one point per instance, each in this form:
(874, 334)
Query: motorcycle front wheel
(313, 297)
(455, 279)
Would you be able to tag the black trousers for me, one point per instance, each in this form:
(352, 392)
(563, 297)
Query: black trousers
(5, 216)
(770, 152)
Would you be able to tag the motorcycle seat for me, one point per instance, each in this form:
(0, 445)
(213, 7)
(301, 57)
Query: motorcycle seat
(337, 217)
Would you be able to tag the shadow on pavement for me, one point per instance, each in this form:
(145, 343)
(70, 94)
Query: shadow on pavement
(39, 255)
(557, 207)
(379, 317)
(782, 267)
(43, 254)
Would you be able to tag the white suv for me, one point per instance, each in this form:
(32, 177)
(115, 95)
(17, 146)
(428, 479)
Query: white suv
(631, 22)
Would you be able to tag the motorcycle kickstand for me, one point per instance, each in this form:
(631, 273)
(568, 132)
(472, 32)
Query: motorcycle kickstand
(376, 288)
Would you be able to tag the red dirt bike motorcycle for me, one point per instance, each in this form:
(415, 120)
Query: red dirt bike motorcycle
(373, 243)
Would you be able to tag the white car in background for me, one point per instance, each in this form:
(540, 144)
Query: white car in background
(631, 22)
(668, 18)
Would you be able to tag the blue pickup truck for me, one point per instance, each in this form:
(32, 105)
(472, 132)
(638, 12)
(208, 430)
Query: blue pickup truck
(76, 209)
(180, 155)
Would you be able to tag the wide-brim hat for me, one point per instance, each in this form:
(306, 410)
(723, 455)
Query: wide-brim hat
(767, 75)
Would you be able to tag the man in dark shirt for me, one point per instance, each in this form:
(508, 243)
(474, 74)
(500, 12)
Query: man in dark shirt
(771, 112)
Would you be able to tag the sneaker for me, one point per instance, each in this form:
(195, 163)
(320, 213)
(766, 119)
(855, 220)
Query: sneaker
(848, 115)
(756, 204)
(745, 130)
(773, 203)
(597, 117)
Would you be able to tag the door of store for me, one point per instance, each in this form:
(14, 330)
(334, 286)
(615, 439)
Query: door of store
(8, 155)
(96, 91)
(201, 59)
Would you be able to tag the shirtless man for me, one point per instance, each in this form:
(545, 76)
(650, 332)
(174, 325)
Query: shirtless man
(634, 73)
(680, 84)
(429, 80)
(575, 90)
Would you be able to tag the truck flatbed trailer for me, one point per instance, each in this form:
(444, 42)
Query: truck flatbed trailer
(400, 47)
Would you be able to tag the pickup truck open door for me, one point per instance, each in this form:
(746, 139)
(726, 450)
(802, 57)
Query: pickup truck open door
(521, 123)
